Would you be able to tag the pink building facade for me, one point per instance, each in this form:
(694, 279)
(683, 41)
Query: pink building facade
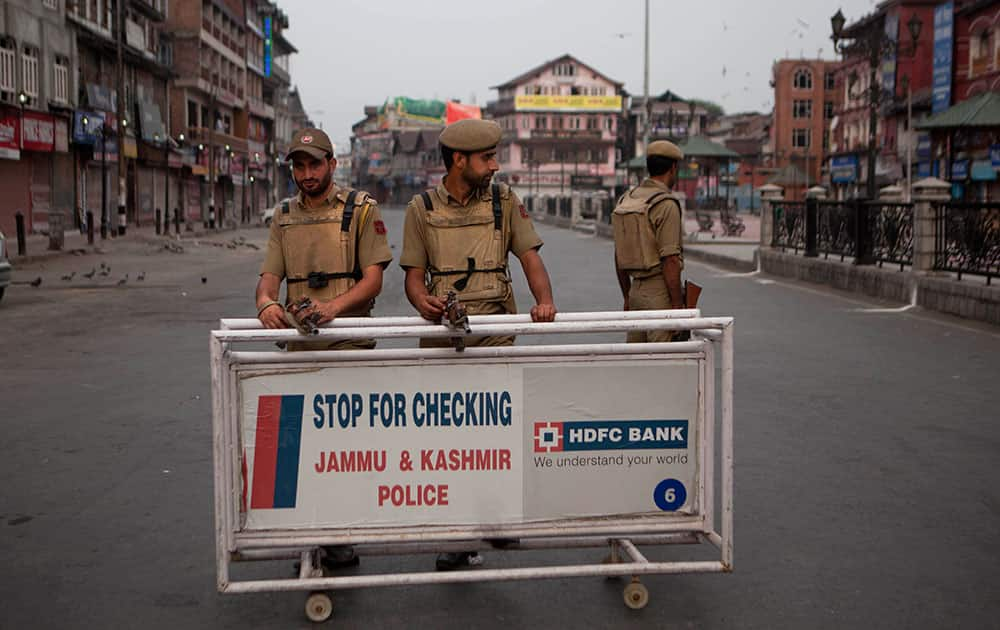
(560, 122)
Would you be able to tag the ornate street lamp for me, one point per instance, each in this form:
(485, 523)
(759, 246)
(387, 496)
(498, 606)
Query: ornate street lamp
(873, 43)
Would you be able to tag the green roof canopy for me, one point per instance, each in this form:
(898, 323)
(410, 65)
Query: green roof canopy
(978, 111)
(702, 147)
(693, 147)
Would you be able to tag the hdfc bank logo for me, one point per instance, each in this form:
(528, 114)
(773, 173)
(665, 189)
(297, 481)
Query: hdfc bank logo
(548, 437)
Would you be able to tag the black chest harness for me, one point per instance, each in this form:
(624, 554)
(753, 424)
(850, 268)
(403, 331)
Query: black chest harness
(466, 273)
(320, 279)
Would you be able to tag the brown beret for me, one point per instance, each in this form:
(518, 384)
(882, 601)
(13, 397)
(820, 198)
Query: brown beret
(471, 134)
(665, 149)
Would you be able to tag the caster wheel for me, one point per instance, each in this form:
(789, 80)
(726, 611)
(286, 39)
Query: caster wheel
(636, 596)
(319, 607)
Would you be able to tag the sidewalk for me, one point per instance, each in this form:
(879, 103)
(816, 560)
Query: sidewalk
(735, 253)
(75, 243)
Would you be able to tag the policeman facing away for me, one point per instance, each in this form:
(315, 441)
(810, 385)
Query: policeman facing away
(457, 237)
(648, 233)
(328, 243)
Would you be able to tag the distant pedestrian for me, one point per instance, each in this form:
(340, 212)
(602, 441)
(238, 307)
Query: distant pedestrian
(648, 229)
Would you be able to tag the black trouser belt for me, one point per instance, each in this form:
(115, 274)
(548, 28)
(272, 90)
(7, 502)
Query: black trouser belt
(318, 279)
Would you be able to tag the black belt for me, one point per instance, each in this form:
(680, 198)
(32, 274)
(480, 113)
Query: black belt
(318, 279)
(463, 282)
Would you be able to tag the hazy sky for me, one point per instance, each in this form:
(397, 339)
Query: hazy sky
(354, 53)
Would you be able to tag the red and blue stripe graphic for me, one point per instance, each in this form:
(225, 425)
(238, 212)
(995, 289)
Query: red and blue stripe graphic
(276, 452)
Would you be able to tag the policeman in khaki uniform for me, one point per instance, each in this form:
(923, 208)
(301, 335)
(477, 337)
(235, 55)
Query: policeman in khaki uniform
(457, 237)
(328, 244)
(648, 232)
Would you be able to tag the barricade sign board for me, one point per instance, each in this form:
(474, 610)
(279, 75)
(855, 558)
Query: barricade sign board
(480, 442)
(496, 449)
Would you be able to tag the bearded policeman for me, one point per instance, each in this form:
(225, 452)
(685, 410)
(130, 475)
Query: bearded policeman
(327, 243)
(457, 236)
(648, 240)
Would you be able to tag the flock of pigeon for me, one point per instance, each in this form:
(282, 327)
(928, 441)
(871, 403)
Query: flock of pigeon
(103, 270)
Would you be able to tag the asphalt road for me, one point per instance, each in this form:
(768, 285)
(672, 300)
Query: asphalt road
(867, 448)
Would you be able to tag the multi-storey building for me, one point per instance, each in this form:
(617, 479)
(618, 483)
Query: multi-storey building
(804, 93)
(395, 148)
(231, 100)
(560, 122)
(964, 147)
(38, 90)
(906, 70)
(670, 118)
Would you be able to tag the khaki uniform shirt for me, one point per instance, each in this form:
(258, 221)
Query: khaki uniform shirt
(518, 232)
(373, 245)
(665, 217)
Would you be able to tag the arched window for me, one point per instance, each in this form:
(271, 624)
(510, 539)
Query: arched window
(803, 79)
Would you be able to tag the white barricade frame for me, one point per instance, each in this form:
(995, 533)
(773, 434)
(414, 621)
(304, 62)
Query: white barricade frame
(711, 344)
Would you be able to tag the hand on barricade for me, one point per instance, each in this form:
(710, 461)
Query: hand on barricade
(430, 307)
(273, 316)
(543, 313)
(316, 312)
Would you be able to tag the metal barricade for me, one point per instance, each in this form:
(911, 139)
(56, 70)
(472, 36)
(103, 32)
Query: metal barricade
(603, 445)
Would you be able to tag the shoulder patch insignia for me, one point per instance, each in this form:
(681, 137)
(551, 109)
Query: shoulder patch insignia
(524, 213)
(380, 227)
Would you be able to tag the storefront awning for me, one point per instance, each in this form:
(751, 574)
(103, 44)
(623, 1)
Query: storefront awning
(976, 112)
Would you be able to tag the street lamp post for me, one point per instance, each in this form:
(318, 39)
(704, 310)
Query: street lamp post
(909, 135)
(22, 100)
(874, 44)
(104, 180)
(253, 203)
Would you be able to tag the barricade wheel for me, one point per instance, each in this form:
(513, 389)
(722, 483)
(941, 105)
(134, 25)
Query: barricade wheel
(636, 596)
(319, 607)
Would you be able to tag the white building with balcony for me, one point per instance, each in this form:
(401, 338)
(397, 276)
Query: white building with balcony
(560, 121)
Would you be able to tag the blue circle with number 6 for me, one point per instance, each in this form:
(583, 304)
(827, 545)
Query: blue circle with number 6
(669, 495)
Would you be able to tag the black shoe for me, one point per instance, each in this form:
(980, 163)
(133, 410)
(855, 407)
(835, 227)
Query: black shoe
(457, 560)
(340, 557)
(502, 543)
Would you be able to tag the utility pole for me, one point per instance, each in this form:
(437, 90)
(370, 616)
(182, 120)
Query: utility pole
(645, 86)
(122, 114)
(873, 99)
(909, 139)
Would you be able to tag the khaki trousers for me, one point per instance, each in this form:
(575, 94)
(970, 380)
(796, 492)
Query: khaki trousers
(649, 294)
